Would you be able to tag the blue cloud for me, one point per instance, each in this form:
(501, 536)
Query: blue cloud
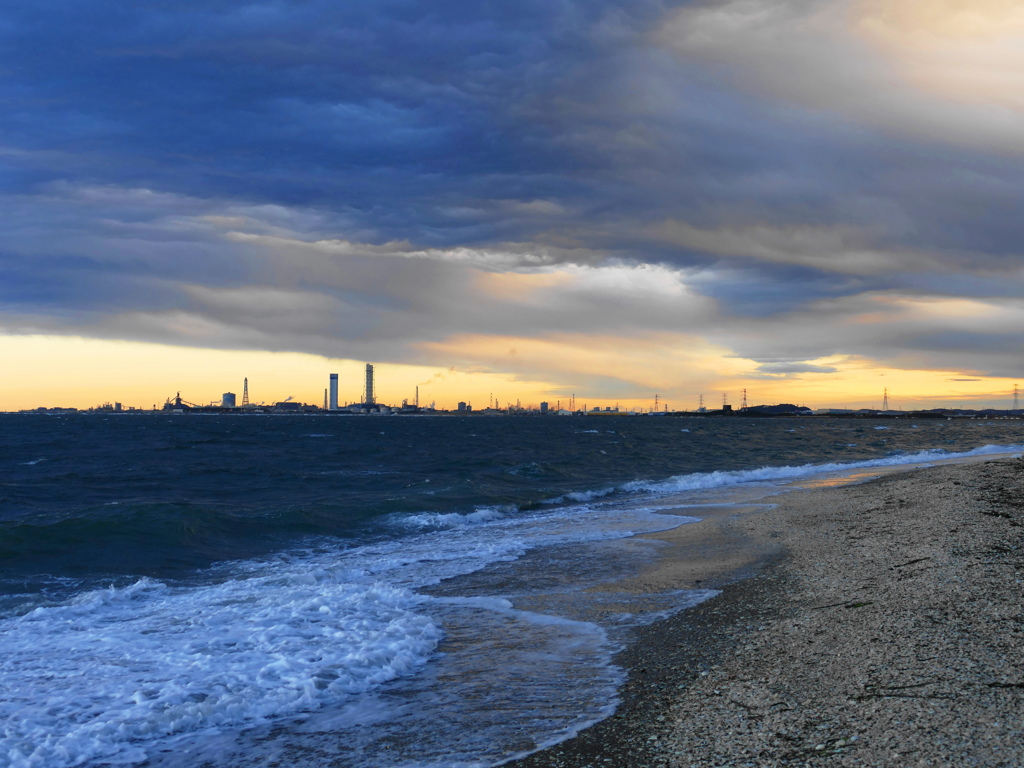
(398, 111)
(762, 291)
(790, 368)
(374, 106)
(554, 126)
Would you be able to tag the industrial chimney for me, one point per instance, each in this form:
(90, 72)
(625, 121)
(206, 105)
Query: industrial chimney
(368, 395)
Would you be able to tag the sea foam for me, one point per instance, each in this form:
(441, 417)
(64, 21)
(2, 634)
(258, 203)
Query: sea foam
(707, 480)
(104, 676)
(119, 675)
(698, 481)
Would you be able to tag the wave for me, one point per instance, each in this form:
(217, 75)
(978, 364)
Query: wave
(175, 660)
(582, 497)
(702, 481)
(158, 539)
(259, 641)
(769, 474)
(436, 521)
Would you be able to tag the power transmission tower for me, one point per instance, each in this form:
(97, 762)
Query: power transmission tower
(701, 406)
(744, 405)
(885, 400)
(1016, 398)
(245, 391)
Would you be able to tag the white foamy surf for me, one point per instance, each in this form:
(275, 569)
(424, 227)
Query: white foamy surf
(700, 481)
(123, 675)
(97, 677)
(709, 480)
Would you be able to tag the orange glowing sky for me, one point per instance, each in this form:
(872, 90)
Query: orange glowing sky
(81, 373)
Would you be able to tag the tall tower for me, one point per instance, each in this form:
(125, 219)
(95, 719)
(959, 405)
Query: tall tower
(334, 392)
(245, 392)
(885, 400)
(417, 395)
(1016, 398)
(368, 395)
(744, 404)
(701, 407)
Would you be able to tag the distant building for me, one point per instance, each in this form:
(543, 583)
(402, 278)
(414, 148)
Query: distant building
(369, 396)
(227, 400)
(543, 407)
(780, 409)
(333, 402)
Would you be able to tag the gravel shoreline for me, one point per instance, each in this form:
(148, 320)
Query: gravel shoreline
(882, 626)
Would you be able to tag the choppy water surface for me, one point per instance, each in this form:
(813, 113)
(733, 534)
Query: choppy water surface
(357, 591)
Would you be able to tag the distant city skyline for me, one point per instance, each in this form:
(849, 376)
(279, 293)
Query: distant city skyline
(810, 199)
(84, 373)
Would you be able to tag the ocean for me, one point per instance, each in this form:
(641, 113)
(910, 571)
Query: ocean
(360, 591)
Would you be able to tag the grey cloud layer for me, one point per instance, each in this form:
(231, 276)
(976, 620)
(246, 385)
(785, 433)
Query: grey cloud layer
(444, 140)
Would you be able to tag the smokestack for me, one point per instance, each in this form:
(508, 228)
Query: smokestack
(368, 395)
(334, 392)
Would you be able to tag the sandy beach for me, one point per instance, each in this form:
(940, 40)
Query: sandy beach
(874, 624)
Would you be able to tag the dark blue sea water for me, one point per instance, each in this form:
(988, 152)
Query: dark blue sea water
(357, 591)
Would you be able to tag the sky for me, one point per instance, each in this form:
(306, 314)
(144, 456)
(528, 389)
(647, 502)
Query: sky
(813, 200)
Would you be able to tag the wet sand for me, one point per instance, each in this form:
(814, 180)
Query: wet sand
(876, 624)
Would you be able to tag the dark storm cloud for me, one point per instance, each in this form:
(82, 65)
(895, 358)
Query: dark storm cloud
(412, 116)
(194, 165)
(760, 291)
(400, 111)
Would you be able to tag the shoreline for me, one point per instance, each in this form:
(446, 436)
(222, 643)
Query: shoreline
(877, 624)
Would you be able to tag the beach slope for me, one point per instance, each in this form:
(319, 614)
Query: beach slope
(886, 630)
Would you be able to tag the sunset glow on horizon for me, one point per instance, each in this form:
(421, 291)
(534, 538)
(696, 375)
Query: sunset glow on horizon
(85, 373)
